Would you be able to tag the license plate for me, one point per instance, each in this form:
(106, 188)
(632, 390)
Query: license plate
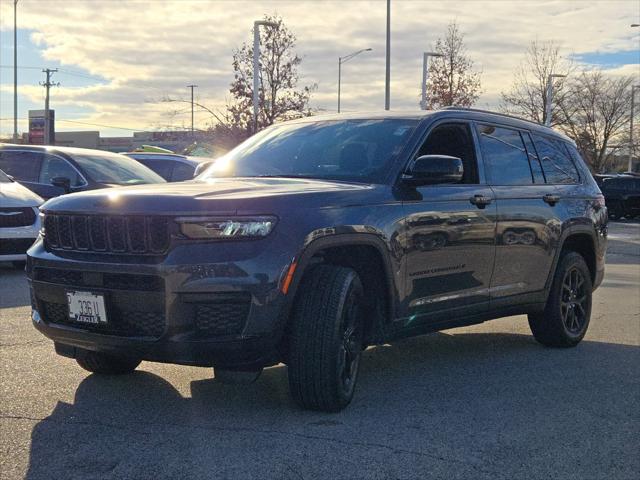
(87, 307)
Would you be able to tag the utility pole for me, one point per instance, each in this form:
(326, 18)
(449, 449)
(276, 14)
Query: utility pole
(425, 76)
(387, 80)
(256, 67)
(631, 145)
(48, 85)
(15, 71)
(549, 106)
(192, 87)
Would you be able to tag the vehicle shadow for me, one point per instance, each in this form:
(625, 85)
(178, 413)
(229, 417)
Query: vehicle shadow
(14, 290)
(465, 405)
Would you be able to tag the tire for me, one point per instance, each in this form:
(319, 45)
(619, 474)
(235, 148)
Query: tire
(105, 364)
(615, 211)
(561, 324)
(326, 339)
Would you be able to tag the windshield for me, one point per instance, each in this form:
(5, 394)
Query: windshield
(115, 169)
(4, 178)
(350, 150)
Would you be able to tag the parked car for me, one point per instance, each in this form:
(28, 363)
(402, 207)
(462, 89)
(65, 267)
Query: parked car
(315, 238)
(53, 171)
(622, 195)
(19, 220)
(171, 166)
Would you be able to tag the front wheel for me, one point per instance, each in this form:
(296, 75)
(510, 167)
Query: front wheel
(565, 319)
(326, 339)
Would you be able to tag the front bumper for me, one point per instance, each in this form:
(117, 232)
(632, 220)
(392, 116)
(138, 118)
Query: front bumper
(214, 312)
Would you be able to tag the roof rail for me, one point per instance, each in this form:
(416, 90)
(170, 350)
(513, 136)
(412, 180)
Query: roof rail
(479, 110)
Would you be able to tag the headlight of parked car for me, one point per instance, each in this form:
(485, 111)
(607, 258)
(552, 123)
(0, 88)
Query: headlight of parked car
(203, 228)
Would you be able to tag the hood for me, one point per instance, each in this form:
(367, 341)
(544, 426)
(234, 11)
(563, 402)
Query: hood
(220, 196)
(15, 195)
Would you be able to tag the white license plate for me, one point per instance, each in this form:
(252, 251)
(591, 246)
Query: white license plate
(87, 307)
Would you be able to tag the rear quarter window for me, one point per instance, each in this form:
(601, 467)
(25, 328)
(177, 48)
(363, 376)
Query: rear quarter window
(21, 165)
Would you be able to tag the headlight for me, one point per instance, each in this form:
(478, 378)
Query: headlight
(223, 228)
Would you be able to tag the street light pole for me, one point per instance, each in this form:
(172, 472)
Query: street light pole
(425, 76)
(631, 145)
(15, 71)
(387, 80)
(192, 87)
(548, 106)
(342, 60)
(256, 67)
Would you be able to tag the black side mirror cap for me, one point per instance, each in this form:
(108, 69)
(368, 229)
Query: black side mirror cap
(62, 182)
(434, 169)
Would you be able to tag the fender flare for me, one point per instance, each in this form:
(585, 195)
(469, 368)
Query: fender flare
(304, 263)
(568, 232)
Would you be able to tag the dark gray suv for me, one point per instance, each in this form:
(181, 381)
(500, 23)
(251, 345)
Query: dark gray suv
(319, 237)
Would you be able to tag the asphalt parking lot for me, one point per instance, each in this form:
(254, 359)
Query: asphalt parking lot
(479, 402)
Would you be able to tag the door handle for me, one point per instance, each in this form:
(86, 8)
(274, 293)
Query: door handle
(480, 201)
(551, 199)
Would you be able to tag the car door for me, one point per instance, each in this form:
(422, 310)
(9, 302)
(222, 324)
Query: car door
(528, 221)
(449, 234)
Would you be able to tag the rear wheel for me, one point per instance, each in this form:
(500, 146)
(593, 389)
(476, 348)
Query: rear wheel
(565, 319)
(98, 362)
(326, 339)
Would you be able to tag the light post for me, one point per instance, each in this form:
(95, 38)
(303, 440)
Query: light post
(425, 76)
(256, 67)
(342, 60)
(548, 106)
(15, 71)
(387, 77)
(631, 145)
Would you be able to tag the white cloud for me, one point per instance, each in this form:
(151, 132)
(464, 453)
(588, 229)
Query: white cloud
(149, 49)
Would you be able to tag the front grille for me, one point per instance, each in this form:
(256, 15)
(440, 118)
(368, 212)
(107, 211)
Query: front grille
(226, 315)
(117, 234)
(126, 323)
(17, 217)
(15, 246)
(114, 281)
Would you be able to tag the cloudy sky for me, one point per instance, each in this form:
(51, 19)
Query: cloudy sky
(118, 59)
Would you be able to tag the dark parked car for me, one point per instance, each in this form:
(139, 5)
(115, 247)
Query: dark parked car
(622, 195)
(170, 166)
(53, 171)
(318, 237)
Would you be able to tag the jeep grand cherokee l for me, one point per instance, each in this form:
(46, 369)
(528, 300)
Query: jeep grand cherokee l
(318, 237)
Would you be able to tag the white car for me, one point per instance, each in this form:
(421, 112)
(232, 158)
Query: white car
(19, 220)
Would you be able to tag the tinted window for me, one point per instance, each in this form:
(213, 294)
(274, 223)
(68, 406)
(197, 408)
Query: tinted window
(21, 165)
(454, 140)
(505, 156)
(161, 167)
(53, 167)
(355, 150)
(112, 168)
(534, 161)
(557, 164)
(182, 171)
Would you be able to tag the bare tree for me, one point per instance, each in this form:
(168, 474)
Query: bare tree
(528, 95)
(279, 96)
(595, 113)
(452, 80)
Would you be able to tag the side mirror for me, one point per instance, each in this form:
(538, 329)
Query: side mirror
(434, 169)
(201, 168)
(62, 182)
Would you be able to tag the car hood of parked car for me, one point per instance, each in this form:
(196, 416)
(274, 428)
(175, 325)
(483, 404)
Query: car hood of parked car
(12, 194)
(221, 195)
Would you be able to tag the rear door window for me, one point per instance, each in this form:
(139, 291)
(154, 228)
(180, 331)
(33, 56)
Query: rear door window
(161, 167)
(504, 156)
(556, 162)
(182, 171)
(21, 165)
